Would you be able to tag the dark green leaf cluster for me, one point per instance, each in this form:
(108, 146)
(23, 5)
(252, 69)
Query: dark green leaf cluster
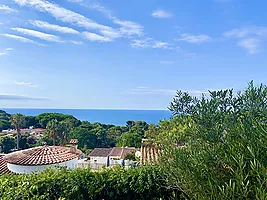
(111, 184)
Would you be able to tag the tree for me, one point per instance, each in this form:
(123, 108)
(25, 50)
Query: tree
(7, 143)
(85, 137)
(17, 120)
(130, 140)
(53, 128)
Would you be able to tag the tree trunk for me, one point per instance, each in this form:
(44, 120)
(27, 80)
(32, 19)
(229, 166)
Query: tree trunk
(18, 134)
(54, 140)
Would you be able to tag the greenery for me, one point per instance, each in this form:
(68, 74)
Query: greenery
(225, 136)
(60, 128)
(117, 183)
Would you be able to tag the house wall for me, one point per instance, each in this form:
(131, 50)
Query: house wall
(23, 169)
(97, 162)
(115, 160)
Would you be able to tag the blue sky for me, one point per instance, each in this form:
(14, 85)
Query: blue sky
(118, 54)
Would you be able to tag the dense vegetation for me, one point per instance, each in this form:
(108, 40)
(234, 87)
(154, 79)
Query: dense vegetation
(225, 136)
(60, 128)
(119, 183)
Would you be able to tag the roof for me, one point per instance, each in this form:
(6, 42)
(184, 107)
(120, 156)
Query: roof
(122, 151)
(100, 152)
(116, 151)
(3, 166)
(149, 153)
(43, 155)
(27, 130)
(73, 141)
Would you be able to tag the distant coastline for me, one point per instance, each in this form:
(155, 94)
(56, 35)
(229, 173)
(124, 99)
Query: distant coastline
(106, 116)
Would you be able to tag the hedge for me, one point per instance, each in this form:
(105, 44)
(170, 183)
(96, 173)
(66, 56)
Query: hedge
(146, 182)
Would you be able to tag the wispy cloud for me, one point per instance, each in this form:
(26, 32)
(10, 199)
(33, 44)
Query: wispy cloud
(150, 43)
(53, 27)
(249, 38)
(15, 97)
(75, 42)
(25, 84)
(161, 14)
(7, 9)
(252, 45)
(96, 37)
(63, 14)
(171, 92)
(166, 62)
(194, 39)
(22, 39)
(6, 51)
(37, 34)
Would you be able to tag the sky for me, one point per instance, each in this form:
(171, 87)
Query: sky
(118, 54)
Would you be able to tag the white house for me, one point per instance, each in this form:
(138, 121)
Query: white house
(40, 158)
(99, 157)
(117, 155)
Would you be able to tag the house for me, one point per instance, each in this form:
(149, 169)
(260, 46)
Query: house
(42, 157)
(99, 157)
(118, 154)
(32, 131)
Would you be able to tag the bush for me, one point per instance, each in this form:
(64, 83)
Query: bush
(116, 183)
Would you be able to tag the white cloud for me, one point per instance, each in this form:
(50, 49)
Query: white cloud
(62, 14)
(53, 27)
(126, 29)
(15, 97)
(190, 54)
(26, 84)
(7, 9)
(150, 43)
(249, 38)
(96, 37)
(161, 14)
(22, 39)
(252, 45)
(6, 51)
(37, 34)
(166, 62)
(194, 39)
(171, 92)
(75, 42)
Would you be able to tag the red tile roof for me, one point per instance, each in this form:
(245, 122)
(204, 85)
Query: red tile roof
(122, 151)
(116, 151)
(3, 166)
(73, 141)
(43, 155)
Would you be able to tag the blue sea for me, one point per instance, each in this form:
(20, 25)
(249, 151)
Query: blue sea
(116, 117)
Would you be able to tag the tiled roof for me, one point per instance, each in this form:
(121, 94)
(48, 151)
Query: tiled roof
(121, 151)
(3, 166)
(116, 151)
(100, 152)
(149, 153)
(43, 155)
(73, 141)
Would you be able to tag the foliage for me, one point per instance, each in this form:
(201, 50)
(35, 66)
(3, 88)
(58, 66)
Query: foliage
(85, 137)
(117, 183)
(17, 120)
(225, 137)
(130, 139)
(53, 130)
(7, 143)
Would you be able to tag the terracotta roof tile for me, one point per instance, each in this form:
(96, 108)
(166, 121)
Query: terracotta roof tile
(116, 151)
(43, 155)
(3, 166)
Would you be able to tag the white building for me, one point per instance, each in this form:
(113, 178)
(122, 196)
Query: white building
(40, 158)
(99, 157)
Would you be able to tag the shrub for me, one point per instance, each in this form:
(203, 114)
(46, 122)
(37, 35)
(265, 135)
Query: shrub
(117, 183)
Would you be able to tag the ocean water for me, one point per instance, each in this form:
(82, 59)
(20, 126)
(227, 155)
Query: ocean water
(116, 117)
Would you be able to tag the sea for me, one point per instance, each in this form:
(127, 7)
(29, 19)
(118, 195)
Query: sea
(116, 117)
